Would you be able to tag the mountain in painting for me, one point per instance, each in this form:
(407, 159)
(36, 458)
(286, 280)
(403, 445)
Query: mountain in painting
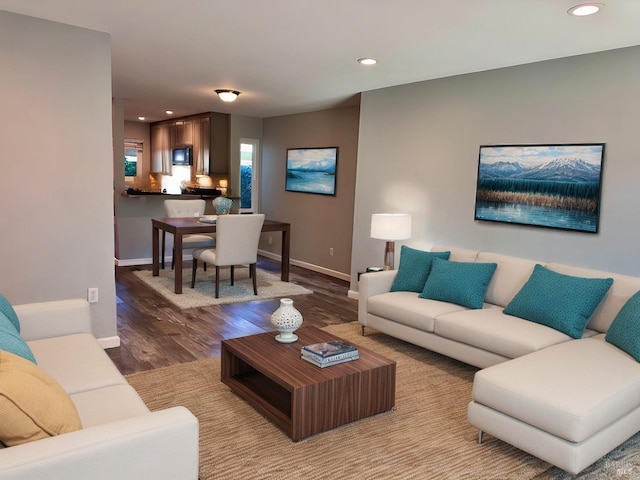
(561, 169)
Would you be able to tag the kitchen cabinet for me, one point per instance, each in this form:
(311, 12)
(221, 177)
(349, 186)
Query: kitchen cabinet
(181, 133)
(207, 134)
(160, 149)
(219, 153)
(201, 145)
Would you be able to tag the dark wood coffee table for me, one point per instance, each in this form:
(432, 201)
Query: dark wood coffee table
(299, 397)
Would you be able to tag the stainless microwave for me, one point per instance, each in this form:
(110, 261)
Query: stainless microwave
(181, 156)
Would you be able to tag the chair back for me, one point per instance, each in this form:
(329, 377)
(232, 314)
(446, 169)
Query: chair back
(237, 238)
(184, 208)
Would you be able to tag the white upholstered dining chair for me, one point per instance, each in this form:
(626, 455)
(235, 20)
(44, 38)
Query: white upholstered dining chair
(187, 208)
(237, 238)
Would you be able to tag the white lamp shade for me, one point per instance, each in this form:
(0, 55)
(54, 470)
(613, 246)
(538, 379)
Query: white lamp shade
(391, 226)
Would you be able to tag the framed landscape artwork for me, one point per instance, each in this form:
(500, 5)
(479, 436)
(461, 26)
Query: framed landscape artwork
(312, 170)
(555, 186)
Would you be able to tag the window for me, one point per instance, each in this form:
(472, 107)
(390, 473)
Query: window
(132, 154)
(249, 175)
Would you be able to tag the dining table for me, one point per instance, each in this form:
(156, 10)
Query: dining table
(181, 226)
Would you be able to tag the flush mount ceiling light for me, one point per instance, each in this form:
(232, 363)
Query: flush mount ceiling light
(141, 118)
(367, 61)
(585, 9)
(227, 95)
(169, 112)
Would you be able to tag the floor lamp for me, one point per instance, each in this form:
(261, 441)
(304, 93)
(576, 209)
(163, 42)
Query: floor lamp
(390, 227)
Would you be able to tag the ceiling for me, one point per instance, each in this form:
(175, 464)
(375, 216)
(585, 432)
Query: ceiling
(292, 56)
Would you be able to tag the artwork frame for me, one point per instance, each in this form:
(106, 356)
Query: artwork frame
(312, 170)
(544, 185)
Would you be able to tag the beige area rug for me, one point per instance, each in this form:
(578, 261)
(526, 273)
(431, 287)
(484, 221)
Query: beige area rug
(269, 286)
(426, 436)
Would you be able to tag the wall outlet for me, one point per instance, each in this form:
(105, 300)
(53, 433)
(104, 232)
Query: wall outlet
(331, 252)
(270, 240)
(92, 295)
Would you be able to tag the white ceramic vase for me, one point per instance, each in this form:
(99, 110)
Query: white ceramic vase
(286, 319)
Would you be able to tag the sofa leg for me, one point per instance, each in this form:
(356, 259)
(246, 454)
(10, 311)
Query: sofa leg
(362, 330)
(480, 436)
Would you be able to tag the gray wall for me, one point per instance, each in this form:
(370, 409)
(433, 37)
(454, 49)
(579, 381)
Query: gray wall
(418, 153)
(56, 200)
(318, 222)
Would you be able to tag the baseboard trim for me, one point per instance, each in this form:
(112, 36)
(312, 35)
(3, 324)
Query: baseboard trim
(131, 262)
(308, 266)
(274, 256)
(109, 342)
(353, 294)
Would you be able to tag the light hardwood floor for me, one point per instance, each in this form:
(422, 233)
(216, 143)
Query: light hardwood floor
(154, 333)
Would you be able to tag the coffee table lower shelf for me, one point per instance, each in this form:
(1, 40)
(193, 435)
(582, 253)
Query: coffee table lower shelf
(266, 396)
(299, 397)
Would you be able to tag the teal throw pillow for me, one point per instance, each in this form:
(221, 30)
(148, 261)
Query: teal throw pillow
(11, 341)
(414, 269)
(562, 302)
(462, 283)
(624, 331)
(7, 309)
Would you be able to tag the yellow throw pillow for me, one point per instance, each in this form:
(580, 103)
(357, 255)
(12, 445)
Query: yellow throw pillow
(32, 404)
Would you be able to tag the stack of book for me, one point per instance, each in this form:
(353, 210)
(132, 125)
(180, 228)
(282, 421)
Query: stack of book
(329, 353)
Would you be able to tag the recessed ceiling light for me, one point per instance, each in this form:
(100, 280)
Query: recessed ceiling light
(140, 118)
(227, 95)
(169, 112)
(585, 9)
(367, 61)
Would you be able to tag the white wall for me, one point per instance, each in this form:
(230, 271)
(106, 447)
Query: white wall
(418, 153)
(56, 201)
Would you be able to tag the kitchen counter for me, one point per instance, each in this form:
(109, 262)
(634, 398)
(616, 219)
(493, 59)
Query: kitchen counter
(191, 192)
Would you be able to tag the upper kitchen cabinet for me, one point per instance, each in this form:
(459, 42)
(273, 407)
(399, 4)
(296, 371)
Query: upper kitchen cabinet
(207, 134)
(160, 148)
(201, 145)
(181, 132)
(219, 157)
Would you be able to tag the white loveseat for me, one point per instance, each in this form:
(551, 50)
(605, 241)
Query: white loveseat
(567, 401)
(120, 438)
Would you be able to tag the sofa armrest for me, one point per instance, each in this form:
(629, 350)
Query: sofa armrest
(54, 319)
(373, 283)
(161, 445)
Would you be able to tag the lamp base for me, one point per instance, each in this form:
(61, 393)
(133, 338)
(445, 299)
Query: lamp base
(389, 253)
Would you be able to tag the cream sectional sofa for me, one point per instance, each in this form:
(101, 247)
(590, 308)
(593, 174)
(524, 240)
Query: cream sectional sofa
(567, 401)
(120, 438)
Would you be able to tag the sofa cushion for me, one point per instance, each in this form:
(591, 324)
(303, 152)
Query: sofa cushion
(408, 309)
(559, 301)
(7, 309)
(32, 404)
(11, 341)
(462, 283)
(457, 254)
(58, 356)
(414, 269)
(108, 404)
(492, 330)
(624, 332)
(571, 390)
(511, 274)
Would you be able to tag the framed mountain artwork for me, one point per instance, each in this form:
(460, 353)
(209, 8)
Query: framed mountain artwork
(312, 170)
(554, 186)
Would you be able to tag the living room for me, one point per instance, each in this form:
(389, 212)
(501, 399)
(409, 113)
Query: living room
(410, 148)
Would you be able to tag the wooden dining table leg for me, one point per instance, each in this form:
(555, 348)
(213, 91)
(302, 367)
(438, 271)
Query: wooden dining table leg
(286, 240)
(177, 253)
(155, 240)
